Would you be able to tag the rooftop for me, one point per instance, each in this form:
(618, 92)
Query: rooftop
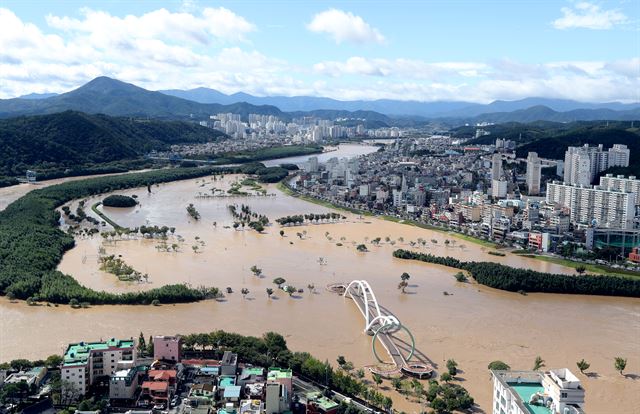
(323, 402)
(155, 386)
(227, 381)
(525, 391)
(78, 353)
(253, 371)
(232, 391)
(162, 375)
(279, 373)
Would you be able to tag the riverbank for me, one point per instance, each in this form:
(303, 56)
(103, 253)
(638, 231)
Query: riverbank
(293, 193)
(596, 269)
(591, 268)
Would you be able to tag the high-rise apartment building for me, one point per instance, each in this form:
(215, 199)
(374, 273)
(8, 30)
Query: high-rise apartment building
(496, 166)
(534, 169)
(594, 205)
(620, 183)
(582, 164)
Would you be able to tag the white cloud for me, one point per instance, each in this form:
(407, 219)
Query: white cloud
(345, 27)
(404, 79)
(586, 15)
(164, 50)
(214, 23)
(405, 68)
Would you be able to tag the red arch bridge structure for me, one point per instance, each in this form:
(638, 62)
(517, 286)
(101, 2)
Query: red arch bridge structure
(387, 330)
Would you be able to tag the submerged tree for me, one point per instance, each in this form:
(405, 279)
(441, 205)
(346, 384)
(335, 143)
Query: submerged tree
(620, 364)
(583, 365)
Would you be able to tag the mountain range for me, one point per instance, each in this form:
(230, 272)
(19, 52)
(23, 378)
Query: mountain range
(438, 109)
(113, 97)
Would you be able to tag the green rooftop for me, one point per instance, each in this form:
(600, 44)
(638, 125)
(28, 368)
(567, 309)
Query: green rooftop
(78, 354)
(525, 391)
(227, 381)
(253, 371)
(279, 373)
(325, 403)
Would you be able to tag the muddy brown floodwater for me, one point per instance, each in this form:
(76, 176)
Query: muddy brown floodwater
(473, 324)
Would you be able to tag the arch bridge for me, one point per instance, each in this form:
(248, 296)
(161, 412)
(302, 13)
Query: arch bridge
(383, 326)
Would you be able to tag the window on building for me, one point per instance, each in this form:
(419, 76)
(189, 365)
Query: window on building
(563, 395)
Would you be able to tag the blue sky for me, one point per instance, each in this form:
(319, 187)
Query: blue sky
(423, 50)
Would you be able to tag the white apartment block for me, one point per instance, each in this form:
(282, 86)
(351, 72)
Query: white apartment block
(498, 188)
(524, 392)
(594, 205)
(582, 164)
(620, 183)
(534, 170)
(86, 361)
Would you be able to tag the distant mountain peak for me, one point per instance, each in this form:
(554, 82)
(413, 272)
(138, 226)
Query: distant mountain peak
(105, 83)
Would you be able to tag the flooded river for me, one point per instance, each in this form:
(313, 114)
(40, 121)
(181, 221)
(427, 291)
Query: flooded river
(341, 151)
(472, 324)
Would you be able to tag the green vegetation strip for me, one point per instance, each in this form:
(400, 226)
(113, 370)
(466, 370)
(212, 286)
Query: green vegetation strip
(593, 268)
(104, 217)
(260, 154)
(503, 277)
(32, 245)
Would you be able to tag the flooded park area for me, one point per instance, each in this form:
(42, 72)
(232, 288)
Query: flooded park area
(470, 323)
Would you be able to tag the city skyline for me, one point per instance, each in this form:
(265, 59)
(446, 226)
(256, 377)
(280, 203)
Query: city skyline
(433, 51)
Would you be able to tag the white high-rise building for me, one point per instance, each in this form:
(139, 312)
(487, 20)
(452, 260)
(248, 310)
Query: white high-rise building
(620, 183)
(313, 164)
(534, 169)
(582, 164)
(619, 156)
(594, 205)
(496, 166)
(498, 188)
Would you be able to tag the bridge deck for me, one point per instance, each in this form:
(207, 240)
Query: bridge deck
(392, 344)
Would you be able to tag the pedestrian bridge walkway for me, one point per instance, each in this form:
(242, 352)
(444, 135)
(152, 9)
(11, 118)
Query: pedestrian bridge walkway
(385, 328)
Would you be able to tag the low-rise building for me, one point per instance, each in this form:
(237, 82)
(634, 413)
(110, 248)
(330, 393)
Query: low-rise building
(229, 363)
(167, 348)
(33, 376)
(84, 362)
(124, 383)
(155, 392)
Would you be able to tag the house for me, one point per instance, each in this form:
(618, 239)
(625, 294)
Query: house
(168, 375)
(34, 376)
(156, 392)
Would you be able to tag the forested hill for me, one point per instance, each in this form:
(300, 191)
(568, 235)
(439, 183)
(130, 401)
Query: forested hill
(69, 139)
(554, 147)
